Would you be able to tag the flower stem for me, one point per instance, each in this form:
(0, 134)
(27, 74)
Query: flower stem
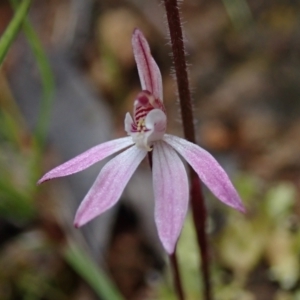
(173, 260)
(197, 200)
(176, 276)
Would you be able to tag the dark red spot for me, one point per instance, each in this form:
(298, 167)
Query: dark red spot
(143, 99)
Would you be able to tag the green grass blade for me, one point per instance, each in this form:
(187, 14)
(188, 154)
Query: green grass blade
(48, 85)
(47, 78)
(91, 273)
(239, 13)
(13, 28)
(14, 204)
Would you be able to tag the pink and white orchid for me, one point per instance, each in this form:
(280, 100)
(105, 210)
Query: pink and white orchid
(146, 132)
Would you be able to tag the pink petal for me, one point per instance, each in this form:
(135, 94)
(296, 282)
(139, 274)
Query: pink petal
(209, 171)
(149, 72)
(109, 185)
(87, 158)
(171, 192)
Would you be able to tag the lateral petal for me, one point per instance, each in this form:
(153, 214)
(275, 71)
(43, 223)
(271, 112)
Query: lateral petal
(171, 192)
(109, 185)
(87, 158)
(208, 169)
(149, 72)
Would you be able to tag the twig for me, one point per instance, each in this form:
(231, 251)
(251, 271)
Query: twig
(197, 201)
(176, 276)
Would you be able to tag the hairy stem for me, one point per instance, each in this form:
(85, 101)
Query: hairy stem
(197, 200)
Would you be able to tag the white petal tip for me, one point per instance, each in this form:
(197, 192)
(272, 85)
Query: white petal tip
(76, 224)
(136, 32)
(237, 205)
(169, 244)
(241, 209)
(42, 180)
(79, 223)
(169, 247)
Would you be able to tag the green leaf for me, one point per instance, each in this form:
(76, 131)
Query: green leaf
(239, 13)
(46, 76)
(13, 29)
(280, 200)
(48, 88)
(14, 204)
(91, 273)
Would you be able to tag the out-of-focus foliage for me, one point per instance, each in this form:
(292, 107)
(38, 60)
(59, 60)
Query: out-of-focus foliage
(33, 264)
(267, 235)
(16, 158)
(13, 28)
(88, 270)
(46, 78)
(239, 13)
(30, 269)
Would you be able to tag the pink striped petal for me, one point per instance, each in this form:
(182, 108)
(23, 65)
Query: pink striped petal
(209, 171)
(171, 192)
(88, 158)
(149, 72)
(109, 185)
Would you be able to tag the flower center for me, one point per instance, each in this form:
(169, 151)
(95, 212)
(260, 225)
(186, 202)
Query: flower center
(144, 103)
(149, 120)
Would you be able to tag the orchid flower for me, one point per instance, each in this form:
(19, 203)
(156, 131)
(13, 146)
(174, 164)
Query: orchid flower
(146, 132)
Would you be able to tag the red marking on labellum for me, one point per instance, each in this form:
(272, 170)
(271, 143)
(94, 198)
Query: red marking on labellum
(145, 102)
